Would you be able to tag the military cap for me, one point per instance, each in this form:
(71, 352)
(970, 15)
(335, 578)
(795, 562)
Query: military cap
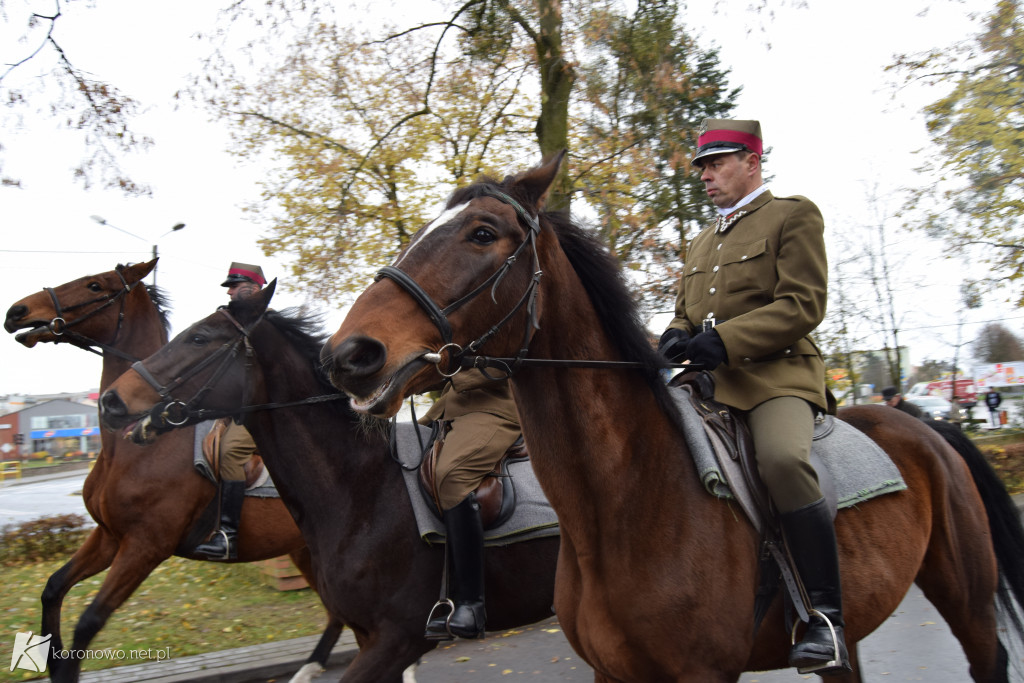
(722, 136)
(244, 272)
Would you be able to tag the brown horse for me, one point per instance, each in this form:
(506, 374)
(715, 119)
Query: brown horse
(346, 493)
(656, 578)
(149, 503)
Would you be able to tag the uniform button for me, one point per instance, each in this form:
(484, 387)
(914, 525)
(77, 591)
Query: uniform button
(746, 360)
(743, 258)
(710, 315)
(788, 351)
(715, 269)
(693, 269)
(719, 246)
(712, 290)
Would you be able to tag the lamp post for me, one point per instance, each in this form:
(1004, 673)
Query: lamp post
(174, 228)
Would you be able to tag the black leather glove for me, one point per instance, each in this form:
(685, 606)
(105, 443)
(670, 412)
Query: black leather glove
(672, 344)
(708, 349)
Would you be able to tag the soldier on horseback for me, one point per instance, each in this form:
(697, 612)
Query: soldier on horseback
(754, 287)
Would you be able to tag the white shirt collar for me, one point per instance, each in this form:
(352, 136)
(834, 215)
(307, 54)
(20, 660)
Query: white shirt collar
(743, 202)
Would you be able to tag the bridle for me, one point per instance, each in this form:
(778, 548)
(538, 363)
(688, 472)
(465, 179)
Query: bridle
(465, 357)
(175, 412)
(458, 354)
(171, 412)
(60, 327)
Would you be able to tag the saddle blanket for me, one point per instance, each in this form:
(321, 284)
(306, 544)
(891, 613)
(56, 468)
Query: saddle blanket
(533, 516)
(262, 488)
(858, 467)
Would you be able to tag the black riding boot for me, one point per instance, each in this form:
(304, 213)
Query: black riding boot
(812, 541)
(464, 544)
(223, 546)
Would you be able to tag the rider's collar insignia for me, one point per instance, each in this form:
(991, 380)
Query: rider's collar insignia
(726, 222)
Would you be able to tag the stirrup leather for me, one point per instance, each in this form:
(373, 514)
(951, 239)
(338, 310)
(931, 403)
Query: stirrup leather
(834, 662)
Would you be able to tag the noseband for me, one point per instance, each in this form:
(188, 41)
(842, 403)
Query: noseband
(175, 412)
(60, 327)
(439, 316)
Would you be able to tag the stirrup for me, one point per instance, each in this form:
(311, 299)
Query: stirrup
(437, 635)
(834, 663)
(227, 547)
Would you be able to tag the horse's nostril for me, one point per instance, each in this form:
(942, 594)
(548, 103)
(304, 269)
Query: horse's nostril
(111, 405)
(360, 356)
(15, 314)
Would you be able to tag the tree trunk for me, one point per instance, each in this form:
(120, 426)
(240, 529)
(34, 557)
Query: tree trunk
(556, 81)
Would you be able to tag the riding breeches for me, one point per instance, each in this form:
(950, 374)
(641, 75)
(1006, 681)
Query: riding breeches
(236, 448)
(782, 429)
(471, 449)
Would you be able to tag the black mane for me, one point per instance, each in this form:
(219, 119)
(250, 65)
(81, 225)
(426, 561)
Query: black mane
(162, 302)
(304, 331)
(601, 275)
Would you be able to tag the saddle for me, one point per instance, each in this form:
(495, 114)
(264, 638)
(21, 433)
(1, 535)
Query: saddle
(254, 469)
(495, 494)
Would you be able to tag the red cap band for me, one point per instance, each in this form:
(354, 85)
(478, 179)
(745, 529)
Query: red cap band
(251, 274)
(752, 142)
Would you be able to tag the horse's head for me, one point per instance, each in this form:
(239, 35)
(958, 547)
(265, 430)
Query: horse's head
(208, 366)
(89, 309)
(466, 283)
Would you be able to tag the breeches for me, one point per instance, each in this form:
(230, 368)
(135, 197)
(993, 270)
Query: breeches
(782, 430)
(236, 447)
(471, 448)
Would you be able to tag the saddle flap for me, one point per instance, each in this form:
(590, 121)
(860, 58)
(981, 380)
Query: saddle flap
(496, 493)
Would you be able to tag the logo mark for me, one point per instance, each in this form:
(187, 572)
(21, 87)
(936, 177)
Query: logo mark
(30, 652)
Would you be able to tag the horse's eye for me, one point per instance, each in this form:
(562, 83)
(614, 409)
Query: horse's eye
(483, 236)
(198, 340)
(95, 287)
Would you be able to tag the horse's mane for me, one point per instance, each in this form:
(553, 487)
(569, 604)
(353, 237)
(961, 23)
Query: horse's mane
(301, 329)
(602, 278)
(162, 302)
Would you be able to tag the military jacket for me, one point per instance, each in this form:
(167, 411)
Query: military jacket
(761, 275)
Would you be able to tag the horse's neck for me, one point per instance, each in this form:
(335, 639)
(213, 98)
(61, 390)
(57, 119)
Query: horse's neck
(598, 438)
(316, 447)
(140, 335)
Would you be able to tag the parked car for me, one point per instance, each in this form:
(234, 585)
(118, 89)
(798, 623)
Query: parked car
(934, 407)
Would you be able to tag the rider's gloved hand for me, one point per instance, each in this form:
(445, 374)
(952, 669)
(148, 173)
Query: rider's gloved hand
(672, 344)
(708, 349)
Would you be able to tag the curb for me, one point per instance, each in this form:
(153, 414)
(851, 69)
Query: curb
(268, 660)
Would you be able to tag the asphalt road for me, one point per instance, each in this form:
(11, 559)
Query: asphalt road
(913, 645)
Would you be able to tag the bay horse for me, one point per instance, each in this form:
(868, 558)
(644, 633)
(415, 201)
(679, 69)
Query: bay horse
(656, 578)
(149, 503)
(336, 475)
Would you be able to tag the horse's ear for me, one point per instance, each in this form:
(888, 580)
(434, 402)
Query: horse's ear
(137, 271)
(533, 185)
(250, 308)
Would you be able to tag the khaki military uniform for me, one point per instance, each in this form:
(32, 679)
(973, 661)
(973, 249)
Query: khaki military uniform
(484, 424)
(763, 278)
(761, 274)
(236, 449)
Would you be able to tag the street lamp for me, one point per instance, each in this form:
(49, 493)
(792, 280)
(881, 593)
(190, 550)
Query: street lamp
(174, 228)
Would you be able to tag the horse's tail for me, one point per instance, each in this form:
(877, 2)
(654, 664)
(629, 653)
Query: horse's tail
(1004, 521)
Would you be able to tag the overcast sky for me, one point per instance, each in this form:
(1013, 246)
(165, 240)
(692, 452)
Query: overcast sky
(813, 76)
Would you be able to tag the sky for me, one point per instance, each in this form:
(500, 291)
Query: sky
(812, 74)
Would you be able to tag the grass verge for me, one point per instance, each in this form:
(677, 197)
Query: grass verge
(187, 606)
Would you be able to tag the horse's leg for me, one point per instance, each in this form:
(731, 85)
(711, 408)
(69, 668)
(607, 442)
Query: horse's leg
(959, 577)
(386, 654)
(129, 569)
(95, 555)
(317, 660)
